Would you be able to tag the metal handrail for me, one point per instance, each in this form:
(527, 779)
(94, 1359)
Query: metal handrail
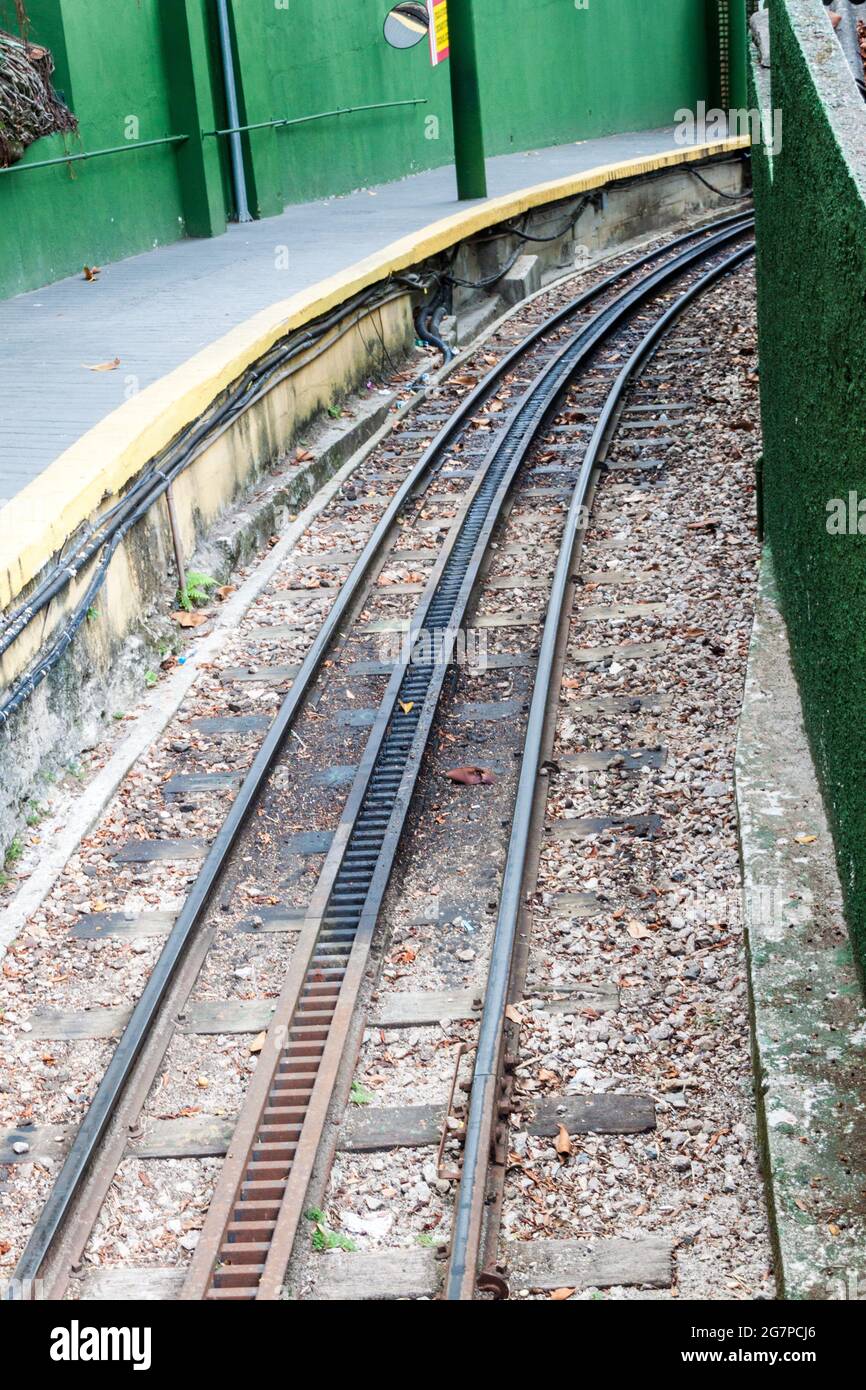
(281, 121)
(95, 154)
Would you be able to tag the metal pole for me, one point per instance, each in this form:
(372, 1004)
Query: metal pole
(237, 151)
(738, 31)
(466, 101)
(175, 540)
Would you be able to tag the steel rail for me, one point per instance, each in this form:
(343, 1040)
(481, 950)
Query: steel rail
(110, 1091)
(462, 1271)
(279, 1131)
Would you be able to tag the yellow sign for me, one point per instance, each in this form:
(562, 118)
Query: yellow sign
(438, 12)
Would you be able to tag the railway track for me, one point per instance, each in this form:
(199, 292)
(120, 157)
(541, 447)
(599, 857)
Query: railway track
(523, 445)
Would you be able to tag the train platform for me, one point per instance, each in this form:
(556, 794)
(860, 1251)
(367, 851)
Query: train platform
(153, 312)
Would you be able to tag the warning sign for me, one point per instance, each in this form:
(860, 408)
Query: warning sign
(438, 12)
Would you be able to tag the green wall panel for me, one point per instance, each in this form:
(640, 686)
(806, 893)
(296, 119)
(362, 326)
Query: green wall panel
(626, 65)
(333, 55)
(54, 220)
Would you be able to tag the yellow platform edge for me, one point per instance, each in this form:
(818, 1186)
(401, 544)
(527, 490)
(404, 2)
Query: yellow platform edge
(40, 519)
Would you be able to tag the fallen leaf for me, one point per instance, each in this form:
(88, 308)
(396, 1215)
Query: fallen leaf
(562, 1143)
(301, 455)
(570, 683)
(560, 1295)
(258, 1043)
(511, 1014)
(184, 619)
(407, 706)
(833, 1229)
(202, 1083)
(637, 930)
(471, 776)
(111, 366)
(91, 272)
(805, 839)
(224, 590)
(547, 1075)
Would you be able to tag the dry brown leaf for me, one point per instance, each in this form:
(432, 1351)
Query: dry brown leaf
(258, 1043)
(805, 839)
(570, 683)
(637, 930)
(301, 455)
(833, 1229)
(547, 1075)
(184, 619)
(407, 706)
(111, 366)
(224, 590)
(560, 1295)
(562, 1143)
(470, 776)
(91, 272)
(511, 1014)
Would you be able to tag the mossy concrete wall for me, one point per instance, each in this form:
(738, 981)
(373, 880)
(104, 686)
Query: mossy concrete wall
(811, 206)
(140, 70)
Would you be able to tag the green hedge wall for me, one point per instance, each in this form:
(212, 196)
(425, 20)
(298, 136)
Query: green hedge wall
(811, 205)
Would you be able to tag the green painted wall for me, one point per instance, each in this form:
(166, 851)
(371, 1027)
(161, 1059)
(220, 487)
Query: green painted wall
(54, 220)
(342, 60)
(626, 65)
(552, 71)
(811, 203)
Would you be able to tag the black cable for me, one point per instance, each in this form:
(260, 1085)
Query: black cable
(427, 322)
(524, 237)
(731, 197)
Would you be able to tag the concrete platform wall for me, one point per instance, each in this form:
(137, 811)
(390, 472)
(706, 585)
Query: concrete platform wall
(136, 71)
(811, 204)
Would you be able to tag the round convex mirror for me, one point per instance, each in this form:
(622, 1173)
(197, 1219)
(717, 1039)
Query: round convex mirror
(406, 25)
